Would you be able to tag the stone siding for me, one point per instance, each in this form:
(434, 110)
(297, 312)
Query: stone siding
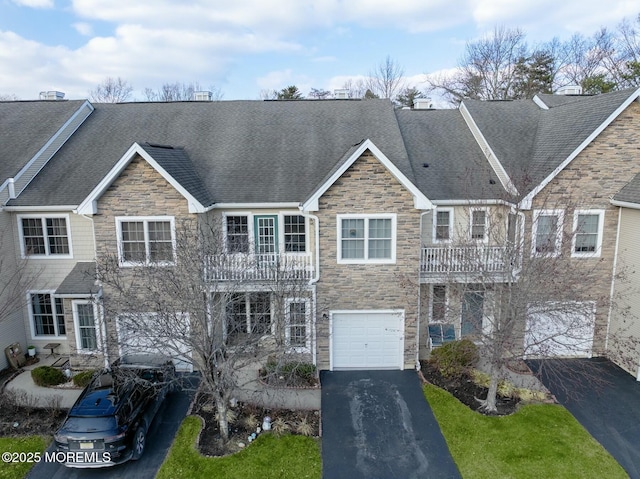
(367, 187)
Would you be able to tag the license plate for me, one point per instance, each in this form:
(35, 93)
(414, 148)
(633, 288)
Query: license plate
(86, 445)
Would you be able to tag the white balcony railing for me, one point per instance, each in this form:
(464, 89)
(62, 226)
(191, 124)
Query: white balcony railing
(462, 259)
(259, 267)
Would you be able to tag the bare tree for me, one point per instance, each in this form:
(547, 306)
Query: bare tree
(487, 69)
(520, 296)
(9, 97)
(386, 80)
(16, 277)
(216, 308)
(180, 91)
(111, 90)
(319, 94)
(356, 88)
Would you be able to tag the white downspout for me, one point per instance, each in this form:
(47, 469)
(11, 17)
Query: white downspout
(313, 281)
(419, 293)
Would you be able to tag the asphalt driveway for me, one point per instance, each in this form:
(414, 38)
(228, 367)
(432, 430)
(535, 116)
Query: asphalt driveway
(603, 398)
(377, 424)
(159, 439)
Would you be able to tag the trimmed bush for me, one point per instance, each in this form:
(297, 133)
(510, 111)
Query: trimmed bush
(455, 359)
(292, 373)
(82, 379)
(47, 376)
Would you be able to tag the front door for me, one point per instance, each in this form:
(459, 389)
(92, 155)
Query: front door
(472, 311)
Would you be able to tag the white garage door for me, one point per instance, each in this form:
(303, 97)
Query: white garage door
(367, 340)
(141, 334)
(560, 330)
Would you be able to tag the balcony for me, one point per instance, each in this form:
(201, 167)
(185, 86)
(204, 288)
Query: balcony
(464, 262)
(259, 267)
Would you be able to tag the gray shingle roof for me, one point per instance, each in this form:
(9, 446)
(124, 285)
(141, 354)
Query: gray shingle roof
(630, 193)
(243, 151)
(457, 167)
(176, 162)
(25, 127)
(531, 142)
(81, 280)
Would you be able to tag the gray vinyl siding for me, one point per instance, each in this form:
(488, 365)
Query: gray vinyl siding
(11, 327)
(625, 317)
(52, 271)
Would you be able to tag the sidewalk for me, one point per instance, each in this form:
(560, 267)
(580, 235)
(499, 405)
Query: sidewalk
(249, 390)
(40, 396)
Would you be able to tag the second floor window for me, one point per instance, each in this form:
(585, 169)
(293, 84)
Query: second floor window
(367, 238)
(237, 234)
(587, 238)
(547, 232)
(46, 236)
(145, 240)
(443, 225)
(479, 225)
(294, 234)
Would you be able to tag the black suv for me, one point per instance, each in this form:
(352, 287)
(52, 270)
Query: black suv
(108, 423)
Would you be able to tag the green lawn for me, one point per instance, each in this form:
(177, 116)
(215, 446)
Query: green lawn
(268, 457)
(27, 444)
(538, 441)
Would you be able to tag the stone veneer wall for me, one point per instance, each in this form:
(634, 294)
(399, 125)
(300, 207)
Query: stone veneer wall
(368, 187)
(588, 182)
(138, 191)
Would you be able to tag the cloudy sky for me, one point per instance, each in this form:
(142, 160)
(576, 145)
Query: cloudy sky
(245, 46)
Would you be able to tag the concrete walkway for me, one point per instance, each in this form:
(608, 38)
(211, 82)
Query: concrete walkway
(378, 424)
(250, 390)
(28, 393)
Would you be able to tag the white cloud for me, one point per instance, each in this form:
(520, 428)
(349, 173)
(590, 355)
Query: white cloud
(34, 3)
(83, 28)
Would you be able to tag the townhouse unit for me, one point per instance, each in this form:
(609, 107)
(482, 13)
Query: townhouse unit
(402, 227)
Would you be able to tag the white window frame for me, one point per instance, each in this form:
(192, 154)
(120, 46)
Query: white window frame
(32, 324)
(247, 312)
(76, 324)
(590, 254)
(307, 303)
(366, 218)
(250, 232)
(485, 238)
(43, 218)
(435, 225)
(281, 234)
(145, 220)
(559, 214)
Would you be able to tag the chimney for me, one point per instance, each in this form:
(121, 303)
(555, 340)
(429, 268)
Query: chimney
(422, 104)
(569, 90)
(341, 94)
(202, 95)
(51, 95)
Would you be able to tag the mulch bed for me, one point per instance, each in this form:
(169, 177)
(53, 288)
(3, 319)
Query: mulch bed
(466, 391)
(211, 443)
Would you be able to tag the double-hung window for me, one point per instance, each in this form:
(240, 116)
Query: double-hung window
(587, 233)
(547, 232)
(298, 329)
(86, 326)
(294, 234)
(479, 224)
(366, 238)
(44, 236)
(442, 225)
(146, 240)
(47, 315)
(237, 234)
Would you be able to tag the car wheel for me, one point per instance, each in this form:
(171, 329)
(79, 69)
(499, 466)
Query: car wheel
(139, 440)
